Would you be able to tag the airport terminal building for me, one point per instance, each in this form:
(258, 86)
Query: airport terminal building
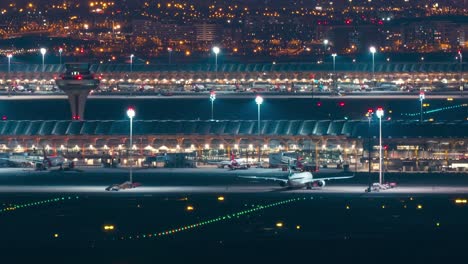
(449, 75)
(408, 145)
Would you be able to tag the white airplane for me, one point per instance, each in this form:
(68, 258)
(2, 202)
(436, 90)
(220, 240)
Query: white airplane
(233, 163)
(298, 180)
(238, 164)
(53, 161)
(40, 162)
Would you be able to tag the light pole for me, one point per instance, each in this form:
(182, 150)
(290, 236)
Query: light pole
(259, 101)
(131, 62)
(380, 114)
(422, 96)
(334, 77)
(369, 115)
(212, 98)
(216, 51)
(9, 56)
(461, 72)
(60, 52)
(325, 43)
(131, 115)
(43, 52)
(373, 50)
(170, 54)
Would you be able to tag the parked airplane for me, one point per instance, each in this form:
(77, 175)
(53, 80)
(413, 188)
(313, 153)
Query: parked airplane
(54, 161)
(238, 164)
(233, 163)
(43, 162)
(298, 180)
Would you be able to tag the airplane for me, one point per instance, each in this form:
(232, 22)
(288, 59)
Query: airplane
(43, 162)
(53, 161)
(298, 180)
(233, 163)
(238, 164)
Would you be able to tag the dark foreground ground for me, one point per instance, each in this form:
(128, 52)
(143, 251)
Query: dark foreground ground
(72, 228)
(242, 227)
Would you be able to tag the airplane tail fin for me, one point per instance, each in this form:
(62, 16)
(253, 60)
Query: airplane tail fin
(46, 159)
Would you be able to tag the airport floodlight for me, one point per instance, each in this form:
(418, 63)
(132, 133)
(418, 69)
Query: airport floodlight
(212, 95)
(131, 112)
(131, 115)
(212, 99)
(169, 49)
(325, 42)
(461, 71)
(259, 100)
(131, 62)
(43, 52)
(422, 96)
(9, 56)
(60, 53)
(216, 51)
(380, 114)
(373, 50)
(334, 74)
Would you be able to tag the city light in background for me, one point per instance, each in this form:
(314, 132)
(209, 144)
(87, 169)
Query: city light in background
(196, 28)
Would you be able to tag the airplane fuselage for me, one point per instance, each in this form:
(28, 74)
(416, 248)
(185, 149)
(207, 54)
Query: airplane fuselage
(300, 180)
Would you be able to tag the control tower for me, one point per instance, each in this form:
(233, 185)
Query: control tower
(77, 82)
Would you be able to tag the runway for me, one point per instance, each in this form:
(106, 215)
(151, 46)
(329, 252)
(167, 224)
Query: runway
(344, 190)
(216, 181)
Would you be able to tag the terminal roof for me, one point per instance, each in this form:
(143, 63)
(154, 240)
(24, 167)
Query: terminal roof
(273, 128)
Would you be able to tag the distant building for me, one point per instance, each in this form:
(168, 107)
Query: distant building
(207, 32)
(166, 32)
(142, 27)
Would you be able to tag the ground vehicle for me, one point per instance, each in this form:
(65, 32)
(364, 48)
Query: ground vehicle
(281, 158)
(123, 186)
(154, 161)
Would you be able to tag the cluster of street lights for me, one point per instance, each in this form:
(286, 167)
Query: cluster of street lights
(372, 50)
(215, 50)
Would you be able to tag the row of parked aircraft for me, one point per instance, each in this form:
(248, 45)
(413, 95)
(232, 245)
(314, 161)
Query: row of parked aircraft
(39, 162)
(295, 179)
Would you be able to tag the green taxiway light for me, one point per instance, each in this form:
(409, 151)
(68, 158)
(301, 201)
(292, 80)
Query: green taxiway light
(225, 217)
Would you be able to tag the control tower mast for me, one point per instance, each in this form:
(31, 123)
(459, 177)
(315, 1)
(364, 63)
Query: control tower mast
(77, 82)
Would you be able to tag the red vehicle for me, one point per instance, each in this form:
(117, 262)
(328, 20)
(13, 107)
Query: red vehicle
(123, 186)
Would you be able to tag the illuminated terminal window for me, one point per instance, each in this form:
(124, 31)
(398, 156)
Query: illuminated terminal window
(407, 147)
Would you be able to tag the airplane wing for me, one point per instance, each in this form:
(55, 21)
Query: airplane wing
(334, 178)
(265, 178)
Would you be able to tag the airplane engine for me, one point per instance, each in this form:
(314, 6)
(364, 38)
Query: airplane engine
(320, 183)
(282, 184)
